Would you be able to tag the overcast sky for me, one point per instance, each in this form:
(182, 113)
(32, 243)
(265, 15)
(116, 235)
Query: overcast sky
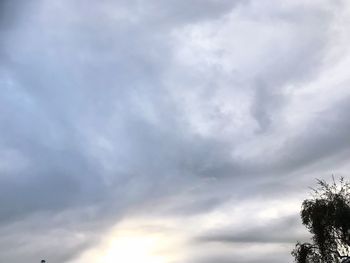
(167, 131)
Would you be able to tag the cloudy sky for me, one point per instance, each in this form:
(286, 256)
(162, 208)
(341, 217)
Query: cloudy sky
(167, 131)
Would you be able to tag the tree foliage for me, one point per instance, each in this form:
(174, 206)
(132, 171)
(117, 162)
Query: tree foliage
(327, 218)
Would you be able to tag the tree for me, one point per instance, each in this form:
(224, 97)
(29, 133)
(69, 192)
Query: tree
(327, 217)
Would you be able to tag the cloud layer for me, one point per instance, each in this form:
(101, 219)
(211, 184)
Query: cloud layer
(199, 113)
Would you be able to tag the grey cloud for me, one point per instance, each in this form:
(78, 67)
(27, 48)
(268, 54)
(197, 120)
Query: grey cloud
(57, 237)
(281, 234)
(239, 259)
(285, 230)
(328, 137)
(304, 56)
(191, 11)
(11, 12)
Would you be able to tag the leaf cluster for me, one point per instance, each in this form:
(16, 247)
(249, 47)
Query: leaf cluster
(327, 218)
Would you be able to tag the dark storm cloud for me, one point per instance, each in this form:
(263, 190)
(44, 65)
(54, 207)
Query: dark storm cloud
(96, 122)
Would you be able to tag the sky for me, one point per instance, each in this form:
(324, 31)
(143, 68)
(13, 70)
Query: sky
(168, 131)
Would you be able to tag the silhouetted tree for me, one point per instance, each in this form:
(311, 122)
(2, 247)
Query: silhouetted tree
(327, 218)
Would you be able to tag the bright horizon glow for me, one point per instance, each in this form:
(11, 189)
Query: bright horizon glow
(134, 242)
(163, 240)
(133, 248)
